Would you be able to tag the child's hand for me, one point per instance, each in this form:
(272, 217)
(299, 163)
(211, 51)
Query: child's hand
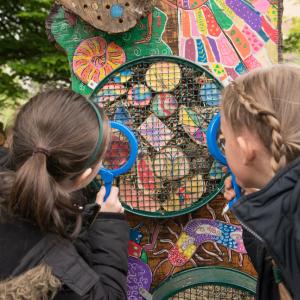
(229, 192)
(112, 203)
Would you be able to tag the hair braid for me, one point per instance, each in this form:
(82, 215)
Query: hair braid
(277, 147)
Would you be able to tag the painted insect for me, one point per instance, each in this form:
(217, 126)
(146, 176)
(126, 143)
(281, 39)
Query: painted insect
(194, 235)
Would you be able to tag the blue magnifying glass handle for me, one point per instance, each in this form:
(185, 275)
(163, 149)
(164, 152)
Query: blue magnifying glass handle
(108, 175)
(212, 144)
(108, 179)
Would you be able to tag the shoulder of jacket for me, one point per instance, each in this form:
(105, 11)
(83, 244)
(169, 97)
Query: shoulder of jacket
(65, 262)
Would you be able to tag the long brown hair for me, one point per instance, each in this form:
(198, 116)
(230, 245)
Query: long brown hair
(53, 138)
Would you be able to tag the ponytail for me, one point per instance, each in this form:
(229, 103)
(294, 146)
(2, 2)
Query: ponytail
(37, 196)
(54, 137)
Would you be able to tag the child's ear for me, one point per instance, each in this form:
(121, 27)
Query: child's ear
(83, 176)
(247, 149)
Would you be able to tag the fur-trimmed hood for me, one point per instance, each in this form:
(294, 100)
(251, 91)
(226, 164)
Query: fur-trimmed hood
(36, 284)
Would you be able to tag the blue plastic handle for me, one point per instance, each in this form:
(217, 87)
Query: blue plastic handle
(212, 144)
(108, 175)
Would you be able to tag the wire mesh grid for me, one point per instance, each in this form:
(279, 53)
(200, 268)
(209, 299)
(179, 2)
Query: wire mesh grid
(118, 152)
(213, 292)
(168, 102)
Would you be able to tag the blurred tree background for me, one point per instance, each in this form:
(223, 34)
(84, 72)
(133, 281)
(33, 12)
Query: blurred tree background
(30, 63)
(291, 46)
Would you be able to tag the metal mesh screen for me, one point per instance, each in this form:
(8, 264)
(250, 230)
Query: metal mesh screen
(213, 292)
(168, 104)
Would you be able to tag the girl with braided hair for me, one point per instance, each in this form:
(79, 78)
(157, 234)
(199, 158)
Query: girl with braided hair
(260, 121)
(55, 242)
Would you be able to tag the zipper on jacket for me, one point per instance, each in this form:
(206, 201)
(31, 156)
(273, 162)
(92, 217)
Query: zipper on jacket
(265, 244)
(258, 237)
(250, 230)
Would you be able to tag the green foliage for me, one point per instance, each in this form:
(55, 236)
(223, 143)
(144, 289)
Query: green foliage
(26, 55)
(292, 42)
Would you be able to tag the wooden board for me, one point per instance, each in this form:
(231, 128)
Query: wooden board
(110, 15)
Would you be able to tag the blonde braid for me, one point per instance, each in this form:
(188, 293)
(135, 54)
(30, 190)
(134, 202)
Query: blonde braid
(278, 147)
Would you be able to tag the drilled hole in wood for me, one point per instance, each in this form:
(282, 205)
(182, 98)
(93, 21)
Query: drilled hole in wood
(120, 20)
(127, 4)
(85, 6)
(99, 17)
(108, 6)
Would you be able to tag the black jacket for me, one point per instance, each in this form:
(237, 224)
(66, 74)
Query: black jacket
(271, 222)
(92, 267)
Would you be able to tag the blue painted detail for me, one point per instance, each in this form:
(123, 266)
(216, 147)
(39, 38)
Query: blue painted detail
(181, 198)
(240, 68)
(210, 94)
(117, 11)
(124, 74)
(122, 115)
(263, 35)
(201, 51)
(135, 235)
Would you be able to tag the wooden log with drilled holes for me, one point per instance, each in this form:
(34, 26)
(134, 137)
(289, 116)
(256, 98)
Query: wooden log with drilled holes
(112, 16)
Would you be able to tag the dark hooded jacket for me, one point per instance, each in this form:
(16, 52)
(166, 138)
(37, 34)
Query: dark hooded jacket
(36, 265)
(92, 267)
(271, 222)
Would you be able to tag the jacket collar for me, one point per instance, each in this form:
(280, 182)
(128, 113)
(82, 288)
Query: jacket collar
(285, 184)
(272, 215)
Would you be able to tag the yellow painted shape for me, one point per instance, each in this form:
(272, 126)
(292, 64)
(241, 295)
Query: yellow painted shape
(182, 238)
(272, 15)
(189, 249)
(238, 22)
(202, 26)
(184, 118)
(225, 8)
(218, 69)
(271, 49)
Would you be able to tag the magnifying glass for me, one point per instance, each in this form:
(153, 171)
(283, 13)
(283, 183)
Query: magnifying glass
(214, 148)
(121, 155)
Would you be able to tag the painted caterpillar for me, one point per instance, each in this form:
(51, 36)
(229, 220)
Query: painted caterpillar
(195, 234)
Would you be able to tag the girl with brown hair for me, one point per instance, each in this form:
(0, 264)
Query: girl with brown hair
(58, 141)
(261, 125)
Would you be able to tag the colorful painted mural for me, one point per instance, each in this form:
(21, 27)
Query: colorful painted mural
(203, 238)
(229, 36)
(93, 54)
(139, 273)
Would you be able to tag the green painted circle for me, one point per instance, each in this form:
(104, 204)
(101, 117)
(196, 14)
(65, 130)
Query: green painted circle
(220, 276)
(184, 63)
